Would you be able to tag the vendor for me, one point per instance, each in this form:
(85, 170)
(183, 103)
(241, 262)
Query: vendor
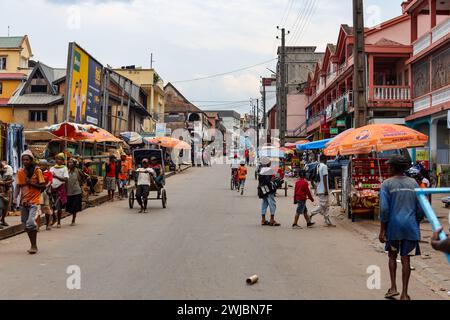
(92, 178)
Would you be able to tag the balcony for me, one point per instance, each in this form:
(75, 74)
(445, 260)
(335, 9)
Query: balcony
(391, 93)
(437, 33)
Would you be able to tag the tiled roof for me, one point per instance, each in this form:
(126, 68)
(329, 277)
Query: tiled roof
(12, 76)
(11, 42)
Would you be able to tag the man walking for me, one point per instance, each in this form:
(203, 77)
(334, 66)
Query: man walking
(266, 192)
(30, 182)
(323, 192)
(242, 175)
(400, 215)
(143, 184)
(124, 175)
(6, 180)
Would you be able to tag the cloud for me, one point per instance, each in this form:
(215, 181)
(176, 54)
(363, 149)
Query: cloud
(188, 37)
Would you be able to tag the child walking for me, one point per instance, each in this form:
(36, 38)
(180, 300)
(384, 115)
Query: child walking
(302, 194)
(242, 174)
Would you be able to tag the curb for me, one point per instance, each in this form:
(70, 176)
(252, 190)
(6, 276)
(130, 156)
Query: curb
(18, 229)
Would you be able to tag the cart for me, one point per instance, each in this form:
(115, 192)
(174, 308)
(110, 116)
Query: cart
(138, 156)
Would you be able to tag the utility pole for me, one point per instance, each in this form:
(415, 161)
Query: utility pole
(151, 60)
(257, 124)
(282, 105)
(264, 105)
(359, 76)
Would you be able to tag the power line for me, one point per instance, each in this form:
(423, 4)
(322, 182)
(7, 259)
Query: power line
(286, 19)
(226, 73)
(307, 21)
(301, 18)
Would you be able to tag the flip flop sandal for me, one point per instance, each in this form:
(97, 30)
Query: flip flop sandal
(391, 294)
(267, 223)
(275, 224)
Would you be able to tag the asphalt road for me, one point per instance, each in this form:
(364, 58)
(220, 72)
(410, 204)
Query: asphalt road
(203, 246)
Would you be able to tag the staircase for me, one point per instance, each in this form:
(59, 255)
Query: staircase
(299, 132)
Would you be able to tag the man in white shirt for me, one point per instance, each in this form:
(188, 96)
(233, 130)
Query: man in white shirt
(323, 192)
(144, 180)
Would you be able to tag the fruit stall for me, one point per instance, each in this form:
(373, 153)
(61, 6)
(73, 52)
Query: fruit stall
(367, 175)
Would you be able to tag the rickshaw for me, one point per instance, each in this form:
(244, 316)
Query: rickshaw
(138, 156)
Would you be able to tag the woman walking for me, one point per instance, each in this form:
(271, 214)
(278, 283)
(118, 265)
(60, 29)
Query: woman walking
(266, 192)
(60, 177)
(74, 191)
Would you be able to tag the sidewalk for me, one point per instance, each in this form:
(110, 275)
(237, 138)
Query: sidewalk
(431, 267)
(16, 227)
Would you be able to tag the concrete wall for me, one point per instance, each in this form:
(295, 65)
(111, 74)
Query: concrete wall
(296, 115)
(21, 115)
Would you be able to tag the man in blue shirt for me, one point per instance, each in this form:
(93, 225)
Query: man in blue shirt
(400, 218)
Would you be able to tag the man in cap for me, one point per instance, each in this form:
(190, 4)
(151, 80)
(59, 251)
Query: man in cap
(266, 192)
(144, 179)
(31, 183)
(400, 215)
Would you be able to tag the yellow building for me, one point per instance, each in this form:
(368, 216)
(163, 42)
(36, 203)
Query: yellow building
(153, 86)
(15, 53)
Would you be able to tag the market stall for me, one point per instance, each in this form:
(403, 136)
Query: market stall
(368, 168)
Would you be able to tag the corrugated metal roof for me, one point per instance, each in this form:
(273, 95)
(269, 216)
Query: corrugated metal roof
(34, 99)
(11, 42)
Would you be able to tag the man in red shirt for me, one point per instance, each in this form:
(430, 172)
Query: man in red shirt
(302, 194)
(247, 156)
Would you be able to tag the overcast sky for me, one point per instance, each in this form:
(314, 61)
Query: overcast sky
(189, 38)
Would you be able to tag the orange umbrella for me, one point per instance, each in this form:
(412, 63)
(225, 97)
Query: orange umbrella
(332, 148)
(378, 138)
(168, 142)
(287, 150)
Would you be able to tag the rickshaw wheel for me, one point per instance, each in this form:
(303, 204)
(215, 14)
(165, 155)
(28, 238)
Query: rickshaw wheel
(131, 199)
(164, 198)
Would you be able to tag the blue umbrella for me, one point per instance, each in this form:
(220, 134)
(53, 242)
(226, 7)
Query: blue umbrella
(131, 138)
(271, 153)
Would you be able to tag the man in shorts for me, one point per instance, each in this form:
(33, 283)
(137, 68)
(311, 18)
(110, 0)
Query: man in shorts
(124, 175)
(400, 215)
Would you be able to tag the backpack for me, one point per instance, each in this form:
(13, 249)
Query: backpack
(313, 174)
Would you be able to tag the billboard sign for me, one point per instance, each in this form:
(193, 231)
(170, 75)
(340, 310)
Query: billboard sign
(84, 86)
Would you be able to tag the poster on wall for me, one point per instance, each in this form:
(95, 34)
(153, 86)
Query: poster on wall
(160, 130)
(83, 87)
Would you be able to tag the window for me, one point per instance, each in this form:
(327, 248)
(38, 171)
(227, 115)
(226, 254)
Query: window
(38, 88)
(2, 63)
(37, 116)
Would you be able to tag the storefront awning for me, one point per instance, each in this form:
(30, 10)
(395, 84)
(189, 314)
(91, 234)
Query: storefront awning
(313, 145)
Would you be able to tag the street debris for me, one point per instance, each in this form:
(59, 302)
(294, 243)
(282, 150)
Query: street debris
(252, 280)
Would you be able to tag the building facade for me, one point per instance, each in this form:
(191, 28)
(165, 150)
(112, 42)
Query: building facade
(430, 66)
(15, 55)
(153, 85)
(300, 61)
(329, 89)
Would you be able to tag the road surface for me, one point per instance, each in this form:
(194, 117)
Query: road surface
(203, 246)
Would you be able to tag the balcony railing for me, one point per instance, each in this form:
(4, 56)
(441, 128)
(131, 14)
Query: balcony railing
(437, 33)
(392, 93)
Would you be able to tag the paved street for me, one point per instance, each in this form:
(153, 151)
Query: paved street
(202, 247)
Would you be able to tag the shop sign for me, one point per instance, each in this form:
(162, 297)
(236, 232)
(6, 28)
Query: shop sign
(160, 130)
(334, 131)
(324, 128)
(341, 123)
